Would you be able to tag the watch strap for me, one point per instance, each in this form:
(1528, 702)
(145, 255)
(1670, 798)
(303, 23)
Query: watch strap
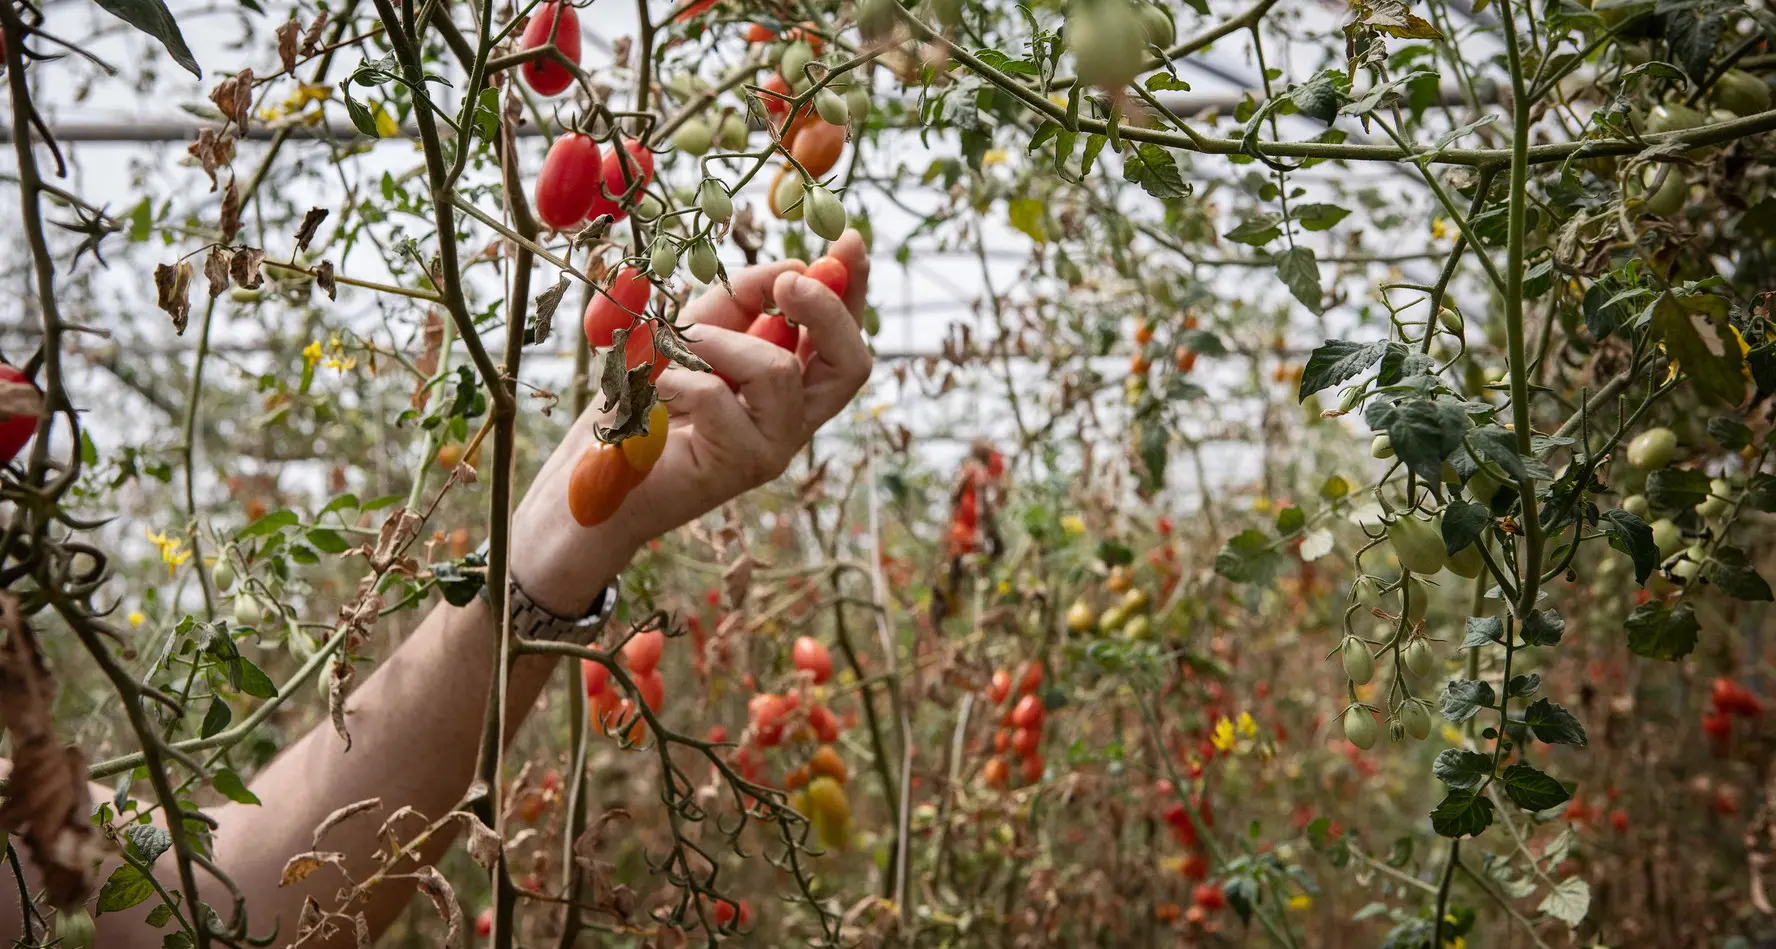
(532, 620)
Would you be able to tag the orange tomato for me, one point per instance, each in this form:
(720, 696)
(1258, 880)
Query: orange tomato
(760, 33)
(816, 144)
(1185, 359)
(642, 451)
(1143, 334)
(600, 481)
(826, 763)
(643, 651)
(996, 773)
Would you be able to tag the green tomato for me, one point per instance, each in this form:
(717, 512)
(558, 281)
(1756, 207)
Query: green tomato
(1467, 561)
(1135, 600)
(947, 12)
(857, 103)
(1742, 92)
(1359, 663)
(703, 262)
(824, 213)
(1416, 597)
(1108, 40)
(1359, 727)
(1367, 591)
(1382, 446)
(1673, 191)
(1636, 504)
(1686, 570)
(244, 295)
(1673, 117)
(1157, 26)
(663, 260)
(830, 106)
(1418, 543)
(1652, 448)
(1415, 720)
(1667, 536)
(1139, 627)
(1482, 487)
(74, 929)
(713, 199)
(246, 610)
(1112, 619)
(1418, 658)
(732, 131)
(222, 574)
(796, 57)
(693, 137)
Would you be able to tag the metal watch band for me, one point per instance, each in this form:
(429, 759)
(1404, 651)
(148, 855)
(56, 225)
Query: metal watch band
(531, 620)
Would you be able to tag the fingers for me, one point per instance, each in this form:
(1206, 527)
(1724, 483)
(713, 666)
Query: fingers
(768, 377)
(838, 363)
(849, 249)
(716, 307)
(703, 399)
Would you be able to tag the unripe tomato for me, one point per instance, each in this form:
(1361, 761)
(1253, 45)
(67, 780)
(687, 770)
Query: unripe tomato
(1032, 767)
(1636, 504)
(1652, 448)
(1025, 741)
(1359, 663)
(643, 651)
(568, 181)
(857, 104)
(704, 262)
(1416, 597)
(1741, 92)
(1382, 446)
(693, 137)
(796, 57)
(830, 107)
(1418, 543)
(1079, 617)
(824, 212)
(1482, 487)
(825, 762)
(816, 144)
(1467, 561)
(1415, 720)
(222, 574)
(1418, 658)
(1157, 26)
(1029, 712)
(1108, 42)
(651, 686)
(619, 175)
(663, 258)
(1000, 688)
(642, 451)
(246, 610)
(1673, 117)
(785, 196)
(74, 929)
(1667, 536)
(1359, 727)
(811, 656)
(996, 773)
(830, 271)
(713, 198)
(600, 481)
(546, 77)
(775, 328)
(1716, 504)
(596, 677)
(830, 811)
(617, 308)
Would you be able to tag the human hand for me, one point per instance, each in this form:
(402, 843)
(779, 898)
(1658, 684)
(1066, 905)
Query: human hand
(722, 442)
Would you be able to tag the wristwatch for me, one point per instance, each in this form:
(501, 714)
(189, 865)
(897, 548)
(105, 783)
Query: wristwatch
(531, 620)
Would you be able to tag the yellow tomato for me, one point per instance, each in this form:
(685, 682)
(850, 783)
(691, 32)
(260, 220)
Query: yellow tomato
(643, 450)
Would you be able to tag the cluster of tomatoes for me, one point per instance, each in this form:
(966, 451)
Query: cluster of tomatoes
(1183, 357)
(1728, 700)
(607, 705)
(981, 483)
(1020, 728)
(817, 785)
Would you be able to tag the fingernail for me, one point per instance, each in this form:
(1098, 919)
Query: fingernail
(804, 286)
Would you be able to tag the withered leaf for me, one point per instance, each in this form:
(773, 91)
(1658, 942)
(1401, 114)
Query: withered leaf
(311, 40)
(386, 833)
(484, 844)
(336, 687)
(172, 285)
(216, 270)
(303, 865)
(437, 889)
(669, 343)
(331, 820)
(427, 362)
(243, 267)
(230, 222)
(234, 96)
(323, 273)
(288, 36)
(546, 304)
(737, 579)
(212, 151)
(311, 222)
(631, 404)
(592, 839)
(309, 918)
(49, 805)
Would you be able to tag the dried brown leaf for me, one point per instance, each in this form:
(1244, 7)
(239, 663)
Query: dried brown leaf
(212, 150)
(427, 362)
(349, 810)
(311, 222)
(311, 40)
(229, 222)
(216, 270)
(309, 918)
(288, 36)
(670, 344)
(437, 889)
(737, 580)
(244, 266)
(546, 304)
(303, 865)
(593, 838)
(234, 96)
(172, 286)
(386, 832)
(323, 274)
(484, 844)
(336, 688)
(49, 805)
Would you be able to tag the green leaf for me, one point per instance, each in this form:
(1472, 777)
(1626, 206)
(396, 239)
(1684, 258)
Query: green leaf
(1248, 558)
(1704, 345)
(153, 18)
(216, 719)
(1676, 488)
(270, 524)
(253, 680)
(1736, 577)
(339, 503)
(1318, 217)
(327, 541)
(1290, 519)
(1524, 686)
(1154, 169)
(1163, 81)
(1728, 432)
(1632, 536)
(1461, 769)
(1553, 724)
(1257, 230)
(1691, 31)
(461, 580)
(1464, 698)
(125, 888)
(1300, 272)
(1499, 446)
(1423, 431)
(1662, 631)
(1568, 902)
(1318, 97)
(178, 940)
(230, 786)
(1026, 216)
(1543, 628)
(1463, 523)
(1484, 631)
(1462, 814)
(147, 842)
(1335, 361)
(1531, 789)
(159, 915)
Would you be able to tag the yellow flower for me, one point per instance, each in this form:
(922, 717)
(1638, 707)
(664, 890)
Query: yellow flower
(137, 617)
(1439, 228)
(1223, 737)
(1073, 524)
(994, 156)
(1452, 734)
(1456, 943)
(342, 364)
(1301, 902)
(1247, 727)
(311, 353)
(1261, 504)
(170, 552)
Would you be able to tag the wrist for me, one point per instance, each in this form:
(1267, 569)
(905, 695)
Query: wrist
(562, 566)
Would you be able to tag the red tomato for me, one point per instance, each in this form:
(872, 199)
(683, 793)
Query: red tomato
(1031, 679)
(652, 688)
(725, 913)
(529, 807)
(1618, 819)
(546, 77)
(1025, 740)
(774, 328)
(1029, 712)
(1209, 897)
(15, 430)
(996, 773)
(760, 33)
(1194, 867)
(643, 651)
(823, 723)
(617, 308)
(767, 712)
(1000, 689)
(596, 676)
(484, 923)
(831, 271)
(1031, 771)
(618, 176)
(773, 104)
(693, 10)
(717, 734)
(1717, 725)
(568, 181)
(811, 656)
(551, 781)
(605, 709)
